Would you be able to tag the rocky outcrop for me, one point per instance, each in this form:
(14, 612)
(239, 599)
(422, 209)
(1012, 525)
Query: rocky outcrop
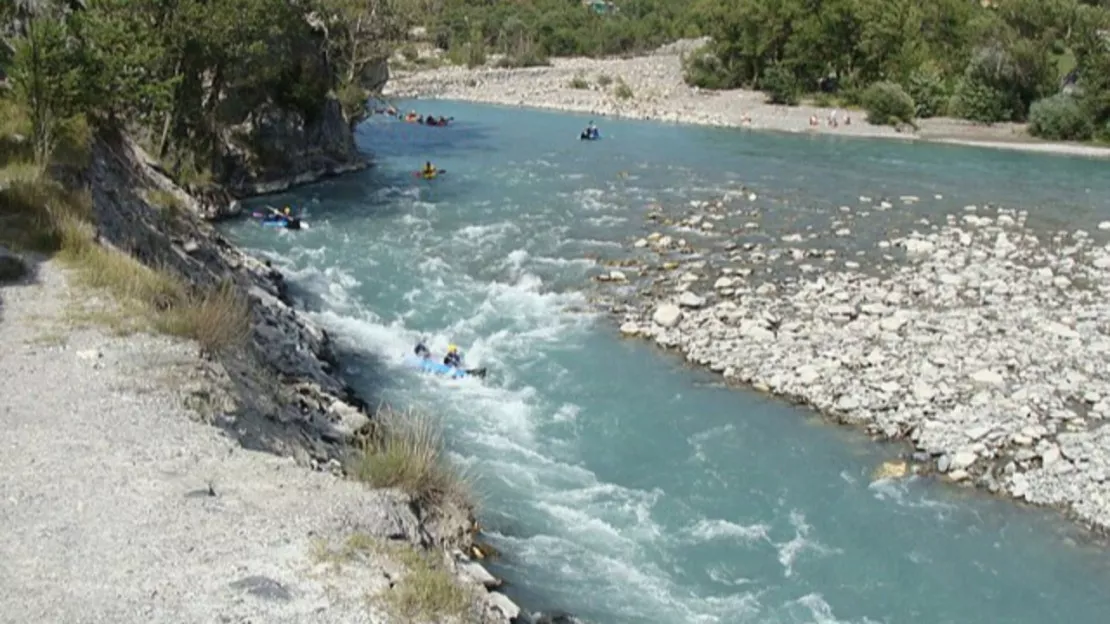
(283, 391)
(273, 148)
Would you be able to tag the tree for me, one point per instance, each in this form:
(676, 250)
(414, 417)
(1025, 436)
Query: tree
(46, 78)
(121, 59)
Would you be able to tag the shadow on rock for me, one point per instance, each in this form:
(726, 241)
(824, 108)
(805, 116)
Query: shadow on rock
(16, 270)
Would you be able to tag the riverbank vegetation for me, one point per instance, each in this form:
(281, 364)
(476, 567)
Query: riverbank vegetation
(180, 77)
(189, 78)
(1045, 62)
(406, 452)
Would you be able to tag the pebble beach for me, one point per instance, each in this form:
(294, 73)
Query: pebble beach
(977, 339)
(656, 92)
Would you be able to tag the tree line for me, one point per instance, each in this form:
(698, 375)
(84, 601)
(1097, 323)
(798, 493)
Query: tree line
(175, 73)
(1042, 61)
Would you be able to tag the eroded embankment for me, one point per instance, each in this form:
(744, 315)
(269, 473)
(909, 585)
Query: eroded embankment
(280, 391)
(983, 343)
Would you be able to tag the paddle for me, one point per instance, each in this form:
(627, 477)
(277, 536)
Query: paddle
(420, 174)
(477, 372)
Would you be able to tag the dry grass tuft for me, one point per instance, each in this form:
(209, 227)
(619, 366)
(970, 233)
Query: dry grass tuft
(426, 592)
(407, 453)
(219, 319)
(39, 215)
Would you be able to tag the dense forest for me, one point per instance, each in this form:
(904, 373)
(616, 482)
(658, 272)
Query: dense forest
(1042, 61)
(173, 72)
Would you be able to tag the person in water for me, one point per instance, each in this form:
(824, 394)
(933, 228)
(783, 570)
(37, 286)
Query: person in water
(453, 357)
(422, 351)
(429, 169)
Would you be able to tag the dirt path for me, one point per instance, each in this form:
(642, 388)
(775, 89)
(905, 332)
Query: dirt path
(119, 506)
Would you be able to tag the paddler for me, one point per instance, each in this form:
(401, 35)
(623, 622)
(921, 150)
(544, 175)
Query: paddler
(453, 357)
(429, 169)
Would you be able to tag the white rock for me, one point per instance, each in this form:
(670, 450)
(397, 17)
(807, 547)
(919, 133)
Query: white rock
(502, 603)
(723, 282)
(916, 248)
(667, 315)
(630, 328)
(987, 377)
(961, 460)
(690, 300)
(89, 354)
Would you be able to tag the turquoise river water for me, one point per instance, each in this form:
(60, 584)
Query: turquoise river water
(620, 485)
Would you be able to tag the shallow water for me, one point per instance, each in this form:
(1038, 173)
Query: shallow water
(620, 485)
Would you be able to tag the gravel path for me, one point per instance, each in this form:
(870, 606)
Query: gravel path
(659, 94)
(105, 492)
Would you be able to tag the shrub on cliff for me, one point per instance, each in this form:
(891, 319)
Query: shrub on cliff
(1060, 118)
(406, 452)
(887, 103)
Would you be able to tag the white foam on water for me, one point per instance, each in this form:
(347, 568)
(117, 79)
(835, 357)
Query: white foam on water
(899, 492)
(708, 530)
(813, 609)
(801, 544)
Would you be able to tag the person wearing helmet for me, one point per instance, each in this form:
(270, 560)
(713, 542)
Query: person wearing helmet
(429, 169)
(287, 210)
(422, 351)
(453, 357)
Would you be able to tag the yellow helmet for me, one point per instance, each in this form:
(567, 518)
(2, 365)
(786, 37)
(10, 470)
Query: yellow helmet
(452, 349)
(287, 210)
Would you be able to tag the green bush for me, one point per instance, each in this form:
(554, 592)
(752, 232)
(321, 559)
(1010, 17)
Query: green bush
(622, 90)
(888, 104)
(1060, 118)
(927, 87)
(704, 70)
(976, 101)
(780, 85)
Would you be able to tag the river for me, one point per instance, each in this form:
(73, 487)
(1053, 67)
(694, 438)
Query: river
(619, 484)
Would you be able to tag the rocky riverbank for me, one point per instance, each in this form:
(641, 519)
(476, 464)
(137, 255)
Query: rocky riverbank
(651, 88)
(281, 393)
(983, 343)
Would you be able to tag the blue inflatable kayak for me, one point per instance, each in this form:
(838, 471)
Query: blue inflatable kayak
(282, 223)
(439, 368)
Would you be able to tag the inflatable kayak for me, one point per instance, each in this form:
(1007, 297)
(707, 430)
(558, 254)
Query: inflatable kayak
(439, 368)
(282, 223)
(427, 176)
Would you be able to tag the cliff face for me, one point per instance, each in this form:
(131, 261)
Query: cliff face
(271, 143)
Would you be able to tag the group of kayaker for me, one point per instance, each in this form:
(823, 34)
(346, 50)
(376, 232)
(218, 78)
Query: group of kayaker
(452, 359)
(427, 120)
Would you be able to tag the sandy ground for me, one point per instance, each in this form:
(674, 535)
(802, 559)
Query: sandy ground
(659, 94)
(118, 505)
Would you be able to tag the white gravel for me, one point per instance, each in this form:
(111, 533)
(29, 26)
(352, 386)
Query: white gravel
(105, 497)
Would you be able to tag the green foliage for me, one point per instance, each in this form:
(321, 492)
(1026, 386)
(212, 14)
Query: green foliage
(45, 78)
(951, 56)
(1060, 118)
(976, 101)
(185, 73)
(781, 85)
(556, 27)
(622, 90)
(930, 94)
(887, 103)
(579, 82)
